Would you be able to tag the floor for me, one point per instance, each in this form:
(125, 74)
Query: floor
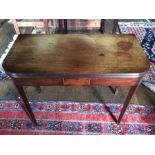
(92, 94)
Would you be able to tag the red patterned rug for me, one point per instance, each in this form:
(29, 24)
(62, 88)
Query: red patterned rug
(67, 117)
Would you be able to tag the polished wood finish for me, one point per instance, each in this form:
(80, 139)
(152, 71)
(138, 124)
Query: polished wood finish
(65, 59)
(114, 81)
(76, 81)
(25, 104)
(126, 103)
(76, 54)
(39, 81)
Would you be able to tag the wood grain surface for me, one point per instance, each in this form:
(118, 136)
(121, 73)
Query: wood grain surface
(76, 54)
(77, 81)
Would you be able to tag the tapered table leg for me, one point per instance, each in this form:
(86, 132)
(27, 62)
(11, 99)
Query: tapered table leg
(25, 104)
(126, 103)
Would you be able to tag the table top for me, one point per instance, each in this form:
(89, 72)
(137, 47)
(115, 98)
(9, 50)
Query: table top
(76, 54)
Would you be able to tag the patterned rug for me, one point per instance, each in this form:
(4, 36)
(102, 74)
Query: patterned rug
(145, 33)
(67, 117)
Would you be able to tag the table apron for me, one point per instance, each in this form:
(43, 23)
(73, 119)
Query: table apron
(76, 81)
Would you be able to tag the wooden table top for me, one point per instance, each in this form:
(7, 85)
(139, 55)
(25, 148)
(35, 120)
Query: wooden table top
(76, 54)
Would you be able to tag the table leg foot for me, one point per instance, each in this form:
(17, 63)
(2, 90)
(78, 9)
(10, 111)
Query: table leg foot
(25, 104)
(126, 103)
(117, 130)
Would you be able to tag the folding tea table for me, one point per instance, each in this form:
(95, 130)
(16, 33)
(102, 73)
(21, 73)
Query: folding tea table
(76, 60)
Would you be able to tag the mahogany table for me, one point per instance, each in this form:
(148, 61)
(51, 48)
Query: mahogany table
(76, 60)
